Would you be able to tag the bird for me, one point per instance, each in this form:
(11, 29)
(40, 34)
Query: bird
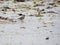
(22, 17)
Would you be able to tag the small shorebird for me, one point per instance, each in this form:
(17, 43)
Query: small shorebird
(22, 17)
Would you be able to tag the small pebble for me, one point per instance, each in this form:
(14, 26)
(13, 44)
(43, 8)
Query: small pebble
(38, 27)
(49, 7)
(43, 10)
(31, 15)
(23, 27)
(3, 10)
(13, 10)
(51, 4)
(44, 26)
(6, 18)
(51, 31)
(56, 44)
(2, 31)
(47, 38)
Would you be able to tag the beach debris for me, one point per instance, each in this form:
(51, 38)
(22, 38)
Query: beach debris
(44, 26)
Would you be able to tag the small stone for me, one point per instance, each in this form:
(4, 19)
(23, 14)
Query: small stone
(51, 4)
(43, 10)
(45, 26)
(3, 10)
(13, 10)
(6, 18)
(47, 38)
(49, 7)
(51, 31)
(56, 44)
(58, 2)
(2, 31)
(30, 15)
(38, 27)
(22, 27)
